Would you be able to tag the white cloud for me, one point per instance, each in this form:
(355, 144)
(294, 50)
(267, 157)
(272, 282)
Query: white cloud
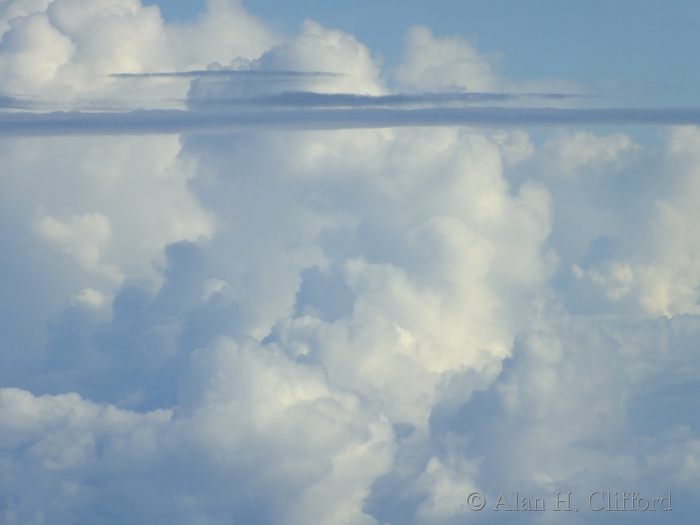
(82, 237)
(358, 326)
(326, 50)
(225, 32)
(566, 154)
(449, 487)
(314, 450)
(111, 204)
(443, 64)
(67, 50)
(344, 64)
(659, 273)
(247, 412)
(430, 304)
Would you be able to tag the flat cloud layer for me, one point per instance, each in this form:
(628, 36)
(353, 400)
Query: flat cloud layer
(332, 316)
(150, 122)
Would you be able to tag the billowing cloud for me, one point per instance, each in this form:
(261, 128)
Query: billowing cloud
(660, 275)
(69, 49)
(346, 301)
(432, 63)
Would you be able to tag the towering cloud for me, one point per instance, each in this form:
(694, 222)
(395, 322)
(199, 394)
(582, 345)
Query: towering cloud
(349, 327)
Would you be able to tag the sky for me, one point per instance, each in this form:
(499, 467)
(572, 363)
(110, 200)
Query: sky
(369, 263)
(639, 50)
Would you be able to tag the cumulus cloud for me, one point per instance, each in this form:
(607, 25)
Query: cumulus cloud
(343, 303)
(659, 275)
(69, 49)
(432, 63)
(566, 154)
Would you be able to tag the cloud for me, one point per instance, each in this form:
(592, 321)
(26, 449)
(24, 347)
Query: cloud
(273, 75)
(299, 99)
(148, 122)
(290, 99)
(434, 64)
(212, 317)
(70, 48)
(320, 49)
(658, 275)
(267, 402)
(566, 154)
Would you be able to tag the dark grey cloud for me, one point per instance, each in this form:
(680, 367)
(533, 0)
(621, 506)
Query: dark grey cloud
(178, 121)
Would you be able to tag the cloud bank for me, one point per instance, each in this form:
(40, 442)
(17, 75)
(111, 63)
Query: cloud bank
(323, 315)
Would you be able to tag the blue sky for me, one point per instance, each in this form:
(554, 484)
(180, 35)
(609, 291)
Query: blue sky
(644, 48)
(369, 263)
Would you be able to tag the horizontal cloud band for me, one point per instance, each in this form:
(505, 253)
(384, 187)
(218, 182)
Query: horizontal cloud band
(288, 99)
(178, 121)
(307, 99)
(268, 75)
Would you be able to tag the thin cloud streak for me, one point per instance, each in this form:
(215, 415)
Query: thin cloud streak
(246, 73)
(13, 102)
(43, 107)
(146, 122)
(288, 99)
(309, 99)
